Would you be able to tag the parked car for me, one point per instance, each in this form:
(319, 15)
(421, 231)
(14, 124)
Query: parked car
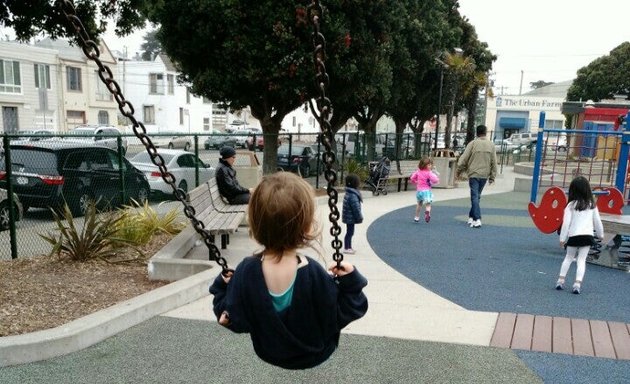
(219, 140)
(172, 140)
(104, 136)
(241, 135)
(303, 159)
(4, 209)
(504, 145)
(47, 174)
(260, 142)
(524, 138)
(180, 163)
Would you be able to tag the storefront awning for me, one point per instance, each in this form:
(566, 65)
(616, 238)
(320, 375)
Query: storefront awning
(512, 122)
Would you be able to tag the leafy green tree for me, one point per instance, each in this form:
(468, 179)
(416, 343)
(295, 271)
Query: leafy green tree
(241, 53)
(425, 32)
(472, 82)
(604, 77)
(29, 18)
(150, 47)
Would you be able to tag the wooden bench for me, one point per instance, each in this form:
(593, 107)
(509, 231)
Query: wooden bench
(220, 203)
(215, 221)
(614, 227)
(407, 167)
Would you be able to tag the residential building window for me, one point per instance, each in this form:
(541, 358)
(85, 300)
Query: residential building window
(206, 123)
(294, 120)
(170, 79)
(149, 114)
(10, 76)
(219, 117)
(554, 124)
(156, 83)
(102, 93)
(181, 116)
(42, 76)
(187, 95)
(75, 118)
(103, 117)
(74, 78)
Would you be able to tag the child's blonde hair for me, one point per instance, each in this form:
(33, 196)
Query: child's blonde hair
(281, 213)
(424, 162)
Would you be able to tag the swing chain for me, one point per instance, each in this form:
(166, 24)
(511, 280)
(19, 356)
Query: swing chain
(91, 50)
(324, 106)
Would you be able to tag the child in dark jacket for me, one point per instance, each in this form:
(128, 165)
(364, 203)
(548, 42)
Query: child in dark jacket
(290, 305)
(351, 214)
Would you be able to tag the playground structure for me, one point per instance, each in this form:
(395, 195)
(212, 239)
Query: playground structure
(600, 152)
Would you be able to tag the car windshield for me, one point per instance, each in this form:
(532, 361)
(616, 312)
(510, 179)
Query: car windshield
(144, 158)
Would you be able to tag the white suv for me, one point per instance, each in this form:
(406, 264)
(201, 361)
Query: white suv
(102, 135)
(524, 138)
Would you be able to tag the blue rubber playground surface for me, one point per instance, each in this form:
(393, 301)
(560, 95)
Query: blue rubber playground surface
(505, 266)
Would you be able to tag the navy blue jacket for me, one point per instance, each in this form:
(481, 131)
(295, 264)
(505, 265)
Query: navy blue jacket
(307, 332)
(352, 207)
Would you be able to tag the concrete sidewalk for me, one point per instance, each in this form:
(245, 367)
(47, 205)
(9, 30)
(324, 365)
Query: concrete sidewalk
(399, 307)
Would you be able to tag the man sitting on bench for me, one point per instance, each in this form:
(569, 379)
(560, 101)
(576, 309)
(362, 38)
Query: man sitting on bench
(226, 178)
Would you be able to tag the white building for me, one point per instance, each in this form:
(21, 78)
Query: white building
(30, 83)
(82, 96)
(508, 114)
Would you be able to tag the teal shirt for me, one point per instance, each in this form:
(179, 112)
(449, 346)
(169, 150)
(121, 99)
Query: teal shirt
(283, 300)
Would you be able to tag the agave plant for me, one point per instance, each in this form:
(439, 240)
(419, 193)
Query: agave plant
(97, 238)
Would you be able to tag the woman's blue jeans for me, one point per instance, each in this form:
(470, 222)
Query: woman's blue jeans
(476, 186)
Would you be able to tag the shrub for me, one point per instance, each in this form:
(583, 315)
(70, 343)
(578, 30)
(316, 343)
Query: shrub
(353, 166)
(97, 239)
(139, 224)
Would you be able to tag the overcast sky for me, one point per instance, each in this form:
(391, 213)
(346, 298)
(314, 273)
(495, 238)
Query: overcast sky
(546, 39)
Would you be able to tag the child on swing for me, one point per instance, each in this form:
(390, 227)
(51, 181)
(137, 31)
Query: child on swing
(290, 305)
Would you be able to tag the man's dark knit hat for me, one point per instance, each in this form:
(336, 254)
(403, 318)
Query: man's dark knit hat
(227, 152)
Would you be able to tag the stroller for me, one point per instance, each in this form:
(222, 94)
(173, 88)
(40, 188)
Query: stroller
(379, 174)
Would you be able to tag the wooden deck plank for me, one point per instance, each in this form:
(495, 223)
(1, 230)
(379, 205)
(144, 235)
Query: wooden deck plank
(602, 342)
(503, 331)
(582, 340)
(523, 331)
(621, 339)
(541, 340)
(562, 341)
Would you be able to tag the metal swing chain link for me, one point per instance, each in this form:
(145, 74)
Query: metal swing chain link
(324, 105)
(90, 49)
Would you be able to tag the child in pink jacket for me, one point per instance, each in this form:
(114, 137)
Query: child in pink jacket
(424, 178)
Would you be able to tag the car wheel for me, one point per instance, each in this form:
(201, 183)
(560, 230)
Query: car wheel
(187, 147)
(183, 185)
(207, 147)
(79, 206)
(143, 195)
(562, 149)
(4, 216)
(305, 170)
(170, 146)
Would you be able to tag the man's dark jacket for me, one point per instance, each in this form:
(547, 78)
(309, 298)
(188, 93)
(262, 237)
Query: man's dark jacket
(226, 181)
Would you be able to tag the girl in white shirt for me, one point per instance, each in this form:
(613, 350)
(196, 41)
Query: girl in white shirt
(581, 218)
